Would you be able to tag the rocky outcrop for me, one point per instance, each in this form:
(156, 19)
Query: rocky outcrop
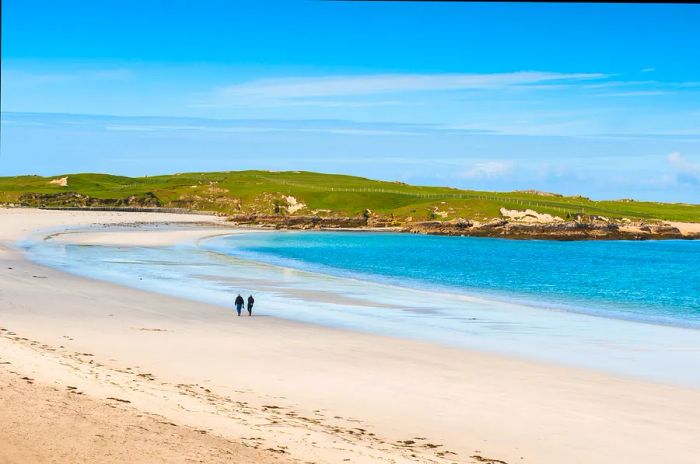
(61, 182)
(454, 227)
(529, 215)
(273, 211)
(78, 200)
(368, 219)
(293, 205)
(539, 192)
(301, 222)
(572, 230)
(375, 220)
(588, 228)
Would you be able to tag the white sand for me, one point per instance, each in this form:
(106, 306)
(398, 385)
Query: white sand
(18, 223)
(686, 228)
(142, 238)
(42, 423)
(318, 392)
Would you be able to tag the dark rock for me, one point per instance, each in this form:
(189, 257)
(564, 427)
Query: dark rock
(78, 200)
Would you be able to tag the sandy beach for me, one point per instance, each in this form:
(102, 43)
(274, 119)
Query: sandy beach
(94, 372)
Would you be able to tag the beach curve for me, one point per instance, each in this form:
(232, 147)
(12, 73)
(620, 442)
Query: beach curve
(335, 385)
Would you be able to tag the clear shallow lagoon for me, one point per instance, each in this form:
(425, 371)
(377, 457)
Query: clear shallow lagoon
(626, 307)
(655, 281)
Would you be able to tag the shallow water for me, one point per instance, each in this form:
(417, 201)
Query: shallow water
(630, 308)
(654, 281)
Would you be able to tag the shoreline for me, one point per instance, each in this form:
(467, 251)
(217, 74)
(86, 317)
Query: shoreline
(583, 228)
(621, 346)
(131, 237)
(580, 229)
(472, 294)
(454, 398)
(121, 236)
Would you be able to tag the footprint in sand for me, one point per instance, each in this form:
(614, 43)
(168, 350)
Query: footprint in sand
(118, 399)
(480, 458)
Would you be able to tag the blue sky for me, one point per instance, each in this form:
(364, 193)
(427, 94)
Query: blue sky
(599, 100)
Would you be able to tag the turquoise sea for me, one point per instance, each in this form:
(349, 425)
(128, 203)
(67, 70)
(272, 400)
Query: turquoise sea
(630, 308)
(653, 281)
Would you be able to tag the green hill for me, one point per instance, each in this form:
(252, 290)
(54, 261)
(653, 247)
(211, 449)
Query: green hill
(308, 193)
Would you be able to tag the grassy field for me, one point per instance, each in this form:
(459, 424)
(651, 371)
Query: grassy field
(264, 192)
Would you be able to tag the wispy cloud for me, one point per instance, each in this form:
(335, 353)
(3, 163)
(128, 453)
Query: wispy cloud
(687, 171)
(338, 86)
(488, 170)
(34, 78)
(172, 125)
(561, 128)
(648, 88)
(639, 93)
(541, 126)
(299, 102)
(252, 129)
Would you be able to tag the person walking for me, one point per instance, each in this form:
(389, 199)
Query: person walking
(251, 301)
(239, 304)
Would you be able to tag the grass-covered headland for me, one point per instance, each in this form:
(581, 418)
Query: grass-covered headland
(294, 194)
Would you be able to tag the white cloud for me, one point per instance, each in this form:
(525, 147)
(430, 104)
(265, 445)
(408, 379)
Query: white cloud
(338, 130)
(650, 85)
(648, 70)
(335, 86)
(640, 93)
(301, 102)
(32, 78)
(687, 171)
(488, 170)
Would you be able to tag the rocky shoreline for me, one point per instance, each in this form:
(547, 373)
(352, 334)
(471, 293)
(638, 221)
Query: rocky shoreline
(512, 224)
(582, 228)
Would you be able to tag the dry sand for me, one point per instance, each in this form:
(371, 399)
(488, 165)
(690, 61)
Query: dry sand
(298, 391)
(47, 423)
(686, 228)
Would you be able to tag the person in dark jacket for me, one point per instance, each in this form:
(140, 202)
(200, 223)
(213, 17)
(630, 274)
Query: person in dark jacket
(251, 301)
(239, 304)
